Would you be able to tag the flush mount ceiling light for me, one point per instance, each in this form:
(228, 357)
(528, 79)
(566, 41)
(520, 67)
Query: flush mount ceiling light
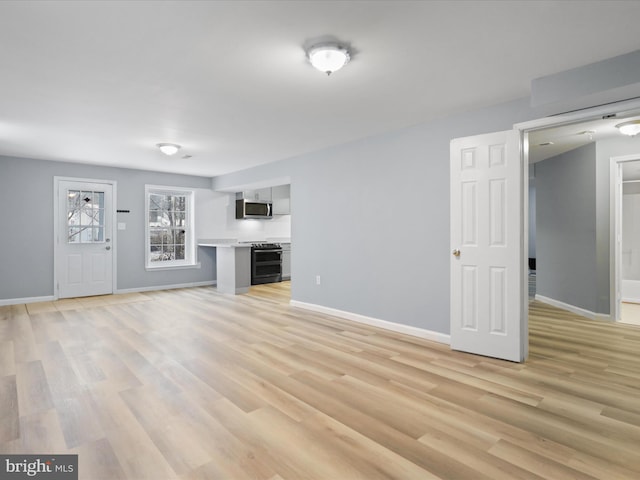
(631, 128)
(328, 57)
(168, 148)
(588, 133)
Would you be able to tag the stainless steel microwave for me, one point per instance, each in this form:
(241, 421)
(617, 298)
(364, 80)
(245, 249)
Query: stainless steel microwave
(254, 209)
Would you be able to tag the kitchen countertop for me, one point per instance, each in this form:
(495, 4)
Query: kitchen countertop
(224, 244)
(234, 243)
(279, 239)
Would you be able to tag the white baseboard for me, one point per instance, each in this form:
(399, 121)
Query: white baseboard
(375, 322)
(571, 308)
(630, 300)
(165, 287)
(604, 317)
(51, 298)
(19, 301)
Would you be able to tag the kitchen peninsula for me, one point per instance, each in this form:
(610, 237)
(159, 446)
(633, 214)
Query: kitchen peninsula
(233, 265)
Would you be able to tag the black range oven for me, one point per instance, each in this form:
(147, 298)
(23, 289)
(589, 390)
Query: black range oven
(266, 263)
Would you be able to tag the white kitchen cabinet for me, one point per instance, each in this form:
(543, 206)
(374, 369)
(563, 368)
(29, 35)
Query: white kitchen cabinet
(281, 198)
(286, 261)
(260, 194)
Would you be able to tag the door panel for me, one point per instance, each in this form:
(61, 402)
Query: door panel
(486, 275)
(84, 240)
(498, 296)
(469, 213)
(74, 269)
(470, 298)
(497, 212)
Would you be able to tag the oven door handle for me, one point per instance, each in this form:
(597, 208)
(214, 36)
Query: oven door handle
(268, 251)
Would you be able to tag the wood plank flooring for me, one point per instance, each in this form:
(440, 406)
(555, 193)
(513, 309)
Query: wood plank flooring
(191, 384)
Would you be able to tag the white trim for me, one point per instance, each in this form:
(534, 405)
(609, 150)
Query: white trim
(622, 108)
(191, 251)
(627, 107)
(166, 287)
(114, 229)
(173, 267)
(524, 244)
(19, 301)
(571, 308)
(375, 322)
(630, 300)
(169, 189)
(603, 317)
(615, 233)
(615, 224)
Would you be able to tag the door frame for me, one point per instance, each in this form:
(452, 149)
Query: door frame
(615, 221)
(627, 107)
(56, 228)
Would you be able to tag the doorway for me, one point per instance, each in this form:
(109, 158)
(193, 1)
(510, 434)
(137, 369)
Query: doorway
(463, 159)
(625, 186)
(84, 246)
(562, 143)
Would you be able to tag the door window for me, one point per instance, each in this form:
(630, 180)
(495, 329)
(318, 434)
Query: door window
(85, 216)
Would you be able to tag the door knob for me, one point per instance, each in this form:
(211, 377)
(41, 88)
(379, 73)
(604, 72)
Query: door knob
(107, 248)
(456, 253)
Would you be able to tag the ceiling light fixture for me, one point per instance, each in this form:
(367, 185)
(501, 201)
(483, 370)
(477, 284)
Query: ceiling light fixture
(328, 57)
(588, 133)
(631, 128)
(168, 148)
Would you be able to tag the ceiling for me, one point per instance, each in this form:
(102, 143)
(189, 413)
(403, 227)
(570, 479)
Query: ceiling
(549, 142)
(103, 82)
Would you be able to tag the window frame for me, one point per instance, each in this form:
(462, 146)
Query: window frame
(190, 250)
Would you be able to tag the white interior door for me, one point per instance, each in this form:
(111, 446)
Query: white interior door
(487, 317)
(84, 263)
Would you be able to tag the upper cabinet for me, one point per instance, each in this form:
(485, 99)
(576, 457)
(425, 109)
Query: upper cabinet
(260, 194)
(281, 198)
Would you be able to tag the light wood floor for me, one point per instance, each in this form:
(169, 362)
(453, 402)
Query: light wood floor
(191, 384)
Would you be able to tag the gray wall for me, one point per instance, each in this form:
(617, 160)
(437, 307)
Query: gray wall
(566, 228)
(610, 80)
(26, 241)
(372, 218)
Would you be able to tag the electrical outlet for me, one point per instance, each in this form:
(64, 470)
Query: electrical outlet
(317, 279)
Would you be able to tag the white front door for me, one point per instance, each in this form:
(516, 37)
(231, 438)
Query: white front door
(487, 317)
(84, 263)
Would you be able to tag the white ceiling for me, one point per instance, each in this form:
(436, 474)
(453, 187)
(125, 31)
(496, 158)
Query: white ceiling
(549, 142)
(103, 82)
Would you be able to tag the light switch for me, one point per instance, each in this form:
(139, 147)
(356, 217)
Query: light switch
(122, 226)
